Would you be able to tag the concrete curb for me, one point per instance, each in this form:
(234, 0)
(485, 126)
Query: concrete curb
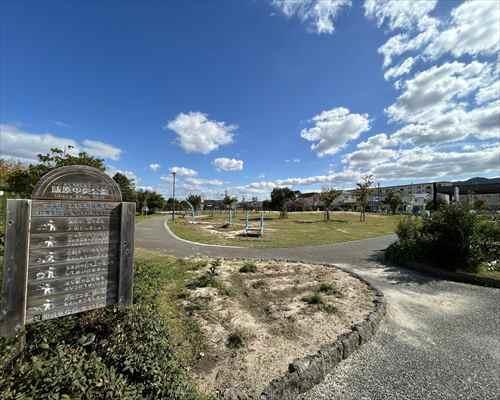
(171, 233)
(304, 373)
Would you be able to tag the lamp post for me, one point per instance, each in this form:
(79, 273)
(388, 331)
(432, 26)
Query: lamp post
(173, 198)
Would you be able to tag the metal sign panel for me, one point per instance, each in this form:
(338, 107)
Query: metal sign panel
(75, 248)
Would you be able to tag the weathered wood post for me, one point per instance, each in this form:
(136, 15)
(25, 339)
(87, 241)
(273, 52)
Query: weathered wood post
(69, 249)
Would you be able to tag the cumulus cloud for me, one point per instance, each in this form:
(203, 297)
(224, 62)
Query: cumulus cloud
(474, 29)
(425, 162)
(24, 146)
(111, 171)
(228, 164)
(183, 171)
(202, 182)
(320, 15)
(401, 69)
(400, 14)
(154, 167)
(198, 134)
(100, 149)
(333, 129)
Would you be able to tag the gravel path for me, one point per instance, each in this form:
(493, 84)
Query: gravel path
(440, 339)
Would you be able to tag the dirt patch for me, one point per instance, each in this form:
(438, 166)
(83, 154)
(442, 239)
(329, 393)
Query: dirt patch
(256, 323)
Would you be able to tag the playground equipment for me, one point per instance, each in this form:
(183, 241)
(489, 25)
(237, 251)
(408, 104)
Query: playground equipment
(251, 230)
(192, 210)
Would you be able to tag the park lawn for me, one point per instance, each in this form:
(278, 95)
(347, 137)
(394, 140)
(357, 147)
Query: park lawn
(299, 229)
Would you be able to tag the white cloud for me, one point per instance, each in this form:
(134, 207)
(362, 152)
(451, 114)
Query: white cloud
(474, 29)
(197, 134)
(293, 160)
(404, 42)
(202, 181)
(111, 171)
(426, 162)
(183, 171)
(400, 14)
(401, 69)
(25, 146)
(154, 167)
(100, 149)
(319, 14)
(333, 129)
(228, 164)
(436, 108)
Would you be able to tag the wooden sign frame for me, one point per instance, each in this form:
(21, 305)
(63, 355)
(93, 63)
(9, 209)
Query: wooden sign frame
(82, 208)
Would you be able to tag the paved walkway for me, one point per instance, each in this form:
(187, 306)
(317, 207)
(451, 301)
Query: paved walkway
(440, 339)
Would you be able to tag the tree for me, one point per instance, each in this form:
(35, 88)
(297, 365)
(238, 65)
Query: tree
(266, 205)
(195, 201)
(362, 195)
(154, 201)
(279, 198)
(430, 206)
(393, 201)
(229, 202)
(22, 181)
(127, 187)
(328, 197)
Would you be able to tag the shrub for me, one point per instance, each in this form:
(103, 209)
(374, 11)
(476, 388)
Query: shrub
(315, 298)
(449, 233)
(236, 340)
(248, 267)
(453, 237)
(65, 372)
(408, 228)
(327, 288)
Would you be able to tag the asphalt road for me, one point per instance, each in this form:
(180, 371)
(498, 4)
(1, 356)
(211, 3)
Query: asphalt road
(440, 339)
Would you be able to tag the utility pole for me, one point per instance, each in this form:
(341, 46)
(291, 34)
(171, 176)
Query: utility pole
(173, 198)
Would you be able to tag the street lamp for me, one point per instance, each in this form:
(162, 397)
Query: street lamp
(173, 197)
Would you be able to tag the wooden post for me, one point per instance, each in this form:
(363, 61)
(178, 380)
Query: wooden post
(15, 284)
(126, 272)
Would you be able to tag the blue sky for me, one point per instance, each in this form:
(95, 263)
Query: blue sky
(249, 95)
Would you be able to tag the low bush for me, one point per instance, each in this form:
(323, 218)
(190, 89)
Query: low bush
(248, 267)
(313, 299)
(327, 288)
(453, 237)
(236, 340)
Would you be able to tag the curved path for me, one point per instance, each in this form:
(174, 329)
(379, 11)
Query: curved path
(440, 339)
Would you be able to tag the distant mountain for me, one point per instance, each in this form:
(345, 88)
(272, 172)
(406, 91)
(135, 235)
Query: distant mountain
(479, 180)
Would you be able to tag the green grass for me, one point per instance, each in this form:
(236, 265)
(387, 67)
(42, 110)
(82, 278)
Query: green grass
(136, 352)
(299, 229)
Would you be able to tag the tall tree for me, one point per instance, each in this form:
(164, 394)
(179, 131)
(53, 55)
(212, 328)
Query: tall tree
(328, 197)
(22, 181)
(279, 198)
(127, 187)
(363, 194)
(393, 201)
(195, 200)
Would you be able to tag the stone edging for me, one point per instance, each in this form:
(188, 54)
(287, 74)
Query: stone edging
(304, 373)
(453, 276)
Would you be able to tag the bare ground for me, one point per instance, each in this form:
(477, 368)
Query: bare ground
(257, 323)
